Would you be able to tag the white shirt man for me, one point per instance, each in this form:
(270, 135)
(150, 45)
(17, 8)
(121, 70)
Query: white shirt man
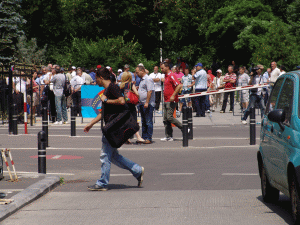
(275, 73)
(156, 77)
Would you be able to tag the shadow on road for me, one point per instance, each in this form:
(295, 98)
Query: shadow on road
(121, 186)
(282, 208)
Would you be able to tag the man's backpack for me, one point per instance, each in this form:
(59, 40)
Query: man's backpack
(67, 87)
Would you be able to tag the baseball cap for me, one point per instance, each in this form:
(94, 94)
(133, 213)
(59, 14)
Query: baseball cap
(127, 66)
(73, 67)
(199, 64)
(119, 70)
(141, 64)
(219, 71)
(99, 67)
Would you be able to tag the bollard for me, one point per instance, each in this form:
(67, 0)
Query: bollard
(190, 123)
(185, 142)
(252, 127)
(42, 139)
(45, 124)
(15, 120)
(73, 121)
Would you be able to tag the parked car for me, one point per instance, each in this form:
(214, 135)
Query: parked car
(279, 151)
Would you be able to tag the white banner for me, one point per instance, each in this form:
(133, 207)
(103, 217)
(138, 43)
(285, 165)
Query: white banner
(223, 90)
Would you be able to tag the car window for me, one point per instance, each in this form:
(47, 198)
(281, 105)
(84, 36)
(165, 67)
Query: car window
(274, 96)
(285, 101)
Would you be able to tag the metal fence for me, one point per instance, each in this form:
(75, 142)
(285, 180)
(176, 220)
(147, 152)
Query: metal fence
(9, 76)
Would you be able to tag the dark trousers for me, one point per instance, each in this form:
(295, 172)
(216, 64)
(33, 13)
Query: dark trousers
(157, 99)
(19, 101)
(76, 96)
(226, 99)
(200, 103)
(51, 98)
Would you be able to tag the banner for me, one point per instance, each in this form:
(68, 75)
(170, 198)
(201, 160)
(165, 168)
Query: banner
(90, 100)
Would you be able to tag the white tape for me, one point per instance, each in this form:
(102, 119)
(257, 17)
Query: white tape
(223, 90)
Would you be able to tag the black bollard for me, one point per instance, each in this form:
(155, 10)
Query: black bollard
(45, 124)
(15, 119)
(190, 123)
(73, 121)
(42, 139)
(252, 127)
(185, 142)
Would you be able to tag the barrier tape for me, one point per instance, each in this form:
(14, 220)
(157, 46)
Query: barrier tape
(4, 152)
(223, 90)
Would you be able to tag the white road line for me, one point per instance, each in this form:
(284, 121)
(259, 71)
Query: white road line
(56, 157)
(10, 190)
(139, 149)
(240, 174)
(120, 175)
(176, 174)
(23, 172)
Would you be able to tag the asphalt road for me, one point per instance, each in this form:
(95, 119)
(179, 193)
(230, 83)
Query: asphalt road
(213, 181)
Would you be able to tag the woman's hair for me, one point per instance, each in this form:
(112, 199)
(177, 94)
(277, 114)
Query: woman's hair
(126, 78)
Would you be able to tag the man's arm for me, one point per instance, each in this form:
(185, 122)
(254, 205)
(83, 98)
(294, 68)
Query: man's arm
(91, 124)
(149, 93)
(176, 91)
(118, 101)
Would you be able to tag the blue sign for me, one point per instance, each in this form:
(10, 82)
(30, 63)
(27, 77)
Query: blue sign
(90, 100)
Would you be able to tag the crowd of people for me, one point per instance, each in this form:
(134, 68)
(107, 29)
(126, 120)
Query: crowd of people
(162, 85)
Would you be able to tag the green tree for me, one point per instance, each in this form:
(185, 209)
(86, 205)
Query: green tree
(29, 53)
(10, 23)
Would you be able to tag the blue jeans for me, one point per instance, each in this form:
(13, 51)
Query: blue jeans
(61, 108)
(184, 100)
(254, 98)
(147, 121)
(111, 155)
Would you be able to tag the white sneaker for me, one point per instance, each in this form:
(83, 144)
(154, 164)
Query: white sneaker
(55, 123)
(167, 139)
(244, 122)
(66, 122)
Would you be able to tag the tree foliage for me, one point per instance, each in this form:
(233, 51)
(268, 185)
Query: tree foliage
(10, 28)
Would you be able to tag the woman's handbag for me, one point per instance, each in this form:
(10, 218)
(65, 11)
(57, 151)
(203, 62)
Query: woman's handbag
(119, 128)
(131, 97)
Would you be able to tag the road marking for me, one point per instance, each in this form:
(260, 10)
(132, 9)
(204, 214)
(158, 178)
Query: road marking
(138, 148)
(240, 174)
(56, 157)
(176, 174)
(23, 172)
(10, 190)
(120, 175)
(220, 126)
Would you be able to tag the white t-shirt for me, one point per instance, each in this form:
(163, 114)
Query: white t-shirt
(76, 82)
(157, 85)
(44, 77)
(274, 75)
(20, 84)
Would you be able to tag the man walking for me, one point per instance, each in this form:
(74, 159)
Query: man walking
(58, 81)
(256, 94)
(113, 102)
(171, 90)
(230, 80)
(147, 103)
(200, 85)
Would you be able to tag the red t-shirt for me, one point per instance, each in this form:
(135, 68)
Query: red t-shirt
(171, 82)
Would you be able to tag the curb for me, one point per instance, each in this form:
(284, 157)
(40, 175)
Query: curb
(28, 195)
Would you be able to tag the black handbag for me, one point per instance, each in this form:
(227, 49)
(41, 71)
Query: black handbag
(119, 128)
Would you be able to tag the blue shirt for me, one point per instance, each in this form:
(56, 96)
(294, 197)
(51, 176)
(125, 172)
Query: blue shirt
(93, 76)
(201, 79)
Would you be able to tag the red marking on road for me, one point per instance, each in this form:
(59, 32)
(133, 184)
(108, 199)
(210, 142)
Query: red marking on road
(62, 157)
